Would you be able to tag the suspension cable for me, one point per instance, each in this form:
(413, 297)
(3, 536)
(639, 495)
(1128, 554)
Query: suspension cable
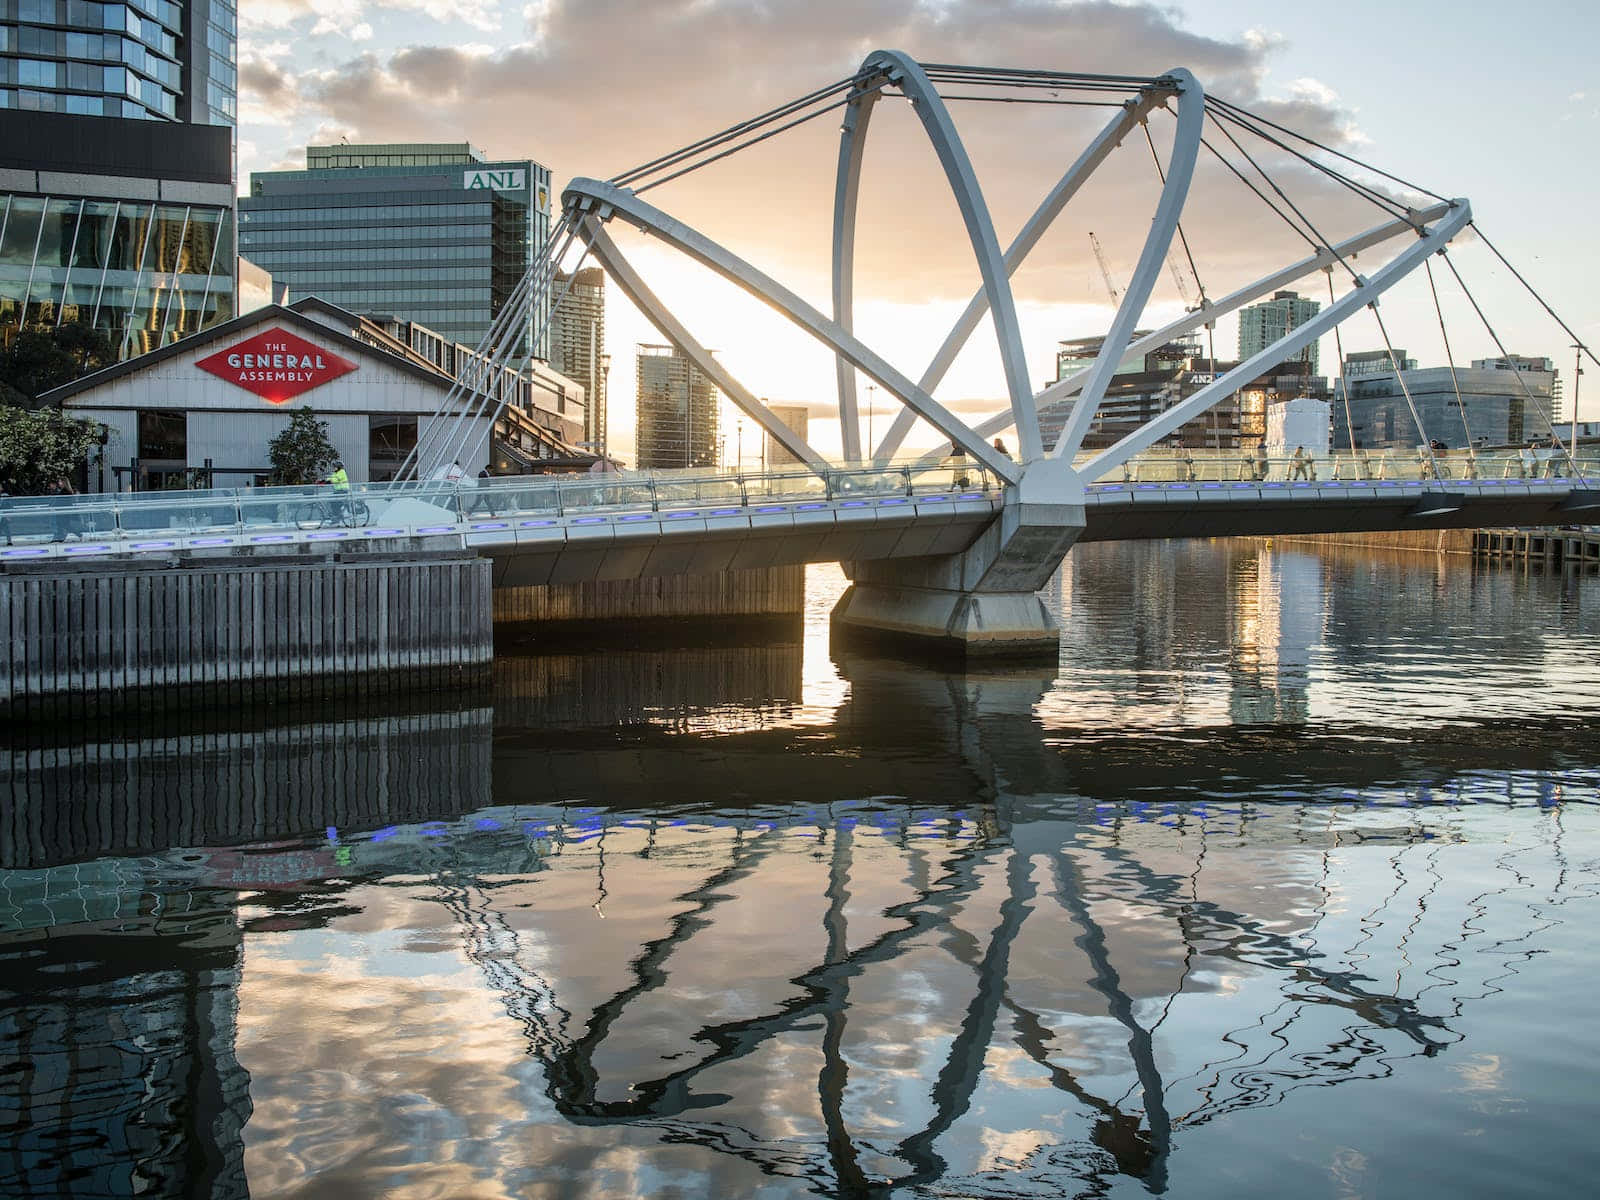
(1577, 341)
(1365, 166)
(470, 452)
(1265, 199)
(852, 98)
(1322, 243)
(1182, 239)
(478, 377)
(1034, 100)
(1394, 361)
(458, 442)
(1344, 383)
(471, 376)
(732, 131)
(1506, 357)
(1244, 119)
(1450, 358)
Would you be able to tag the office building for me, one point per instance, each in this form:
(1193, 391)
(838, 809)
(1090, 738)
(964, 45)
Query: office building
(798, 418)
(433, 233)
(1142, 389)
(578, 344)
(1262, 324)
(116, 167)
(1503, 401)
(676, 424)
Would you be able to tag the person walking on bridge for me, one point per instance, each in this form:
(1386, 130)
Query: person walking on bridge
(1302, 465)
(339, 478)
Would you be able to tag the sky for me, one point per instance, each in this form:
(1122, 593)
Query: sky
(1462, 101)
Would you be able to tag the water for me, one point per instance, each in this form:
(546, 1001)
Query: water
(1283, 883)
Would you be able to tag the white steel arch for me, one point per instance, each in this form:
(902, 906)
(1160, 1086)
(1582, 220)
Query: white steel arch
(591, 203)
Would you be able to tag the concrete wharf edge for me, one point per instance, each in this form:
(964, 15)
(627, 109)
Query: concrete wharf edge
(174, 634)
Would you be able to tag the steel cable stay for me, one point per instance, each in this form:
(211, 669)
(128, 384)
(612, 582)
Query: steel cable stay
(498, 345)
(1405, 390)
(1366, 166)
(1320, 260)
(470, 452)
(1321, 242)
(1455, 383)
(1527, 392)
(491, 349)
(776, 114)
(770, 133)
(1567, 329)
(1344, 390)
(1245, 119)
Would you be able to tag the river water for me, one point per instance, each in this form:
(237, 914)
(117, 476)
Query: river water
(1284, 883)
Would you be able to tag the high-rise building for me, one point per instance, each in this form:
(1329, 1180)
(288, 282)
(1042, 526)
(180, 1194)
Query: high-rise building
(1262, 324)
(578, 344)
(1494, 408)
(798, 418)
(1141, 390)
(434, 233)
(116, 166)
(676, 424)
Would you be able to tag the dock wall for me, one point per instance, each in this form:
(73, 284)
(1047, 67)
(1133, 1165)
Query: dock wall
(84, 642)
(753, 593)
(1433, 541)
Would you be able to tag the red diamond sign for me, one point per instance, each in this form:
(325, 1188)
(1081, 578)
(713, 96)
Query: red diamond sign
(277, 365)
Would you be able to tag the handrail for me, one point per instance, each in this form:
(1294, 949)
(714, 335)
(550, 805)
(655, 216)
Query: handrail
(149, 515)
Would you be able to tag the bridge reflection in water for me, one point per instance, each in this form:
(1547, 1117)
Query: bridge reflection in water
(933, 947)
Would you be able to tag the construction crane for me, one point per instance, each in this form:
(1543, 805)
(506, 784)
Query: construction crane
(1179, 279)
(1105, 271)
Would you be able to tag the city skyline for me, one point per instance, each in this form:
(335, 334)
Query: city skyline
(308, 76)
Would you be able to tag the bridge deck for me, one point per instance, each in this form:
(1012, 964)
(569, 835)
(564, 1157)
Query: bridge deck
(541, 530)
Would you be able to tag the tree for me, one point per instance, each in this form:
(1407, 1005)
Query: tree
(42, 358)
(302, 453)
(41, 448)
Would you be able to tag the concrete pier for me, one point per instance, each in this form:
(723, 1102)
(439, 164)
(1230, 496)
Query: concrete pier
(96, 639)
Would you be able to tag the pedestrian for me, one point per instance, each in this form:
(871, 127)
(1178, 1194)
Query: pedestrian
(1261, 462)
(1301, 465)
(1001, 447)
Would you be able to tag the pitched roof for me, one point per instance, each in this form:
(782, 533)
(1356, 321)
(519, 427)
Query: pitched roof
(230, 329)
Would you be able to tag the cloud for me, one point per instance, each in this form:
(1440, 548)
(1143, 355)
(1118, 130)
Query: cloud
(602, 85)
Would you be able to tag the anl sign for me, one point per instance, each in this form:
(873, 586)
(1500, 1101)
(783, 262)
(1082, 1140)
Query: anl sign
(511, 179)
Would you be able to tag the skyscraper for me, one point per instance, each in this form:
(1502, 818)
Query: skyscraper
(1262, 324)
(677, 411)
(578, 344)
(433, 233)
(116, 166)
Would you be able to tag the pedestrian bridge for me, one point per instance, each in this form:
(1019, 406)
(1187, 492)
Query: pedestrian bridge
(954, 546)
(573, 529)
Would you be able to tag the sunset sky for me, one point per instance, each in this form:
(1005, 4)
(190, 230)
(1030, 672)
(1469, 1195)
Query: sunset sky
(591, 87)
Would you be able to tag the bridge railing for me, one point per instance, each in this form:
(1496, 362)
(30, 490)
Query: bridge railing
(1176, 465)
(148, 518)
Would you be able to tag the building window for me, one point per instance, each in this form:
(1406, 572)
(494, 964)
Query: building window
(163, 436)
(389, 440)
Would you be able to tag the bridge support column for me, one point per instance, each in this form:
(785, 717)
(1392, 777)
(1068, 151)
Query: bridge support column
(980, 603)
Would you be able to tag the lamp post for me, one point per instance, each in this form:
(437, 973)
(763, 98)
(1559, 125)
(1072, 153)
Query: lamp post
(1577, 379)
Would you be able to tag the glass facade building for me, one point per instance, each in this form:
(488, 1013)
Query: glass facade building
(578, 344)
(429, 233)
(676, 416)
(116, 166)
(1262, 324)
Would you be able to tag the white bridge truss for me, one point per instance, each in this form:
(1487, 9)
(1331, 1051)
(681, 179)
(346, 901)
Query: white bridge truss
(591, 204)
